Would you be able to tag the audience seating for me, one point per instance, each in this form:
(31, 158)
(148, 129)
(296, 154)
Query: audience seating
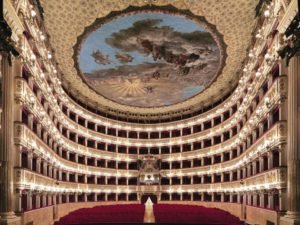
(129, 213)
(167, 213)
(164, 213)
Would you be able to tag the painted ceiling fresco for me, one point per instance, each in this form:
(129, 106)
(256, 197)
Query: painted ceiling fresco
(149, 59)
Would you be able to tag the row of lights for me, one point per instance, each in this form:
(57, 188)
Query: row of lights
(212, 170)
(258, 111)
(48, 188)
(259, 149)
(267, 13)
(150, 145)
(183, 125)
(57, 134)
(86, 131)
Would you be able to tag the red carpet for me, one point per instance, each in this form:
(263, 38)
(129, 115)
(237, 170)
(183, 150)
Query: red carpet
(165, 213)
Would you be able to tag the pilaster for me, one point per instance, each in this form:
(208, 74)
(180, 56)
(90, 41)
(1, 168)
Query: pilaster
(7, 153)
(293, 144)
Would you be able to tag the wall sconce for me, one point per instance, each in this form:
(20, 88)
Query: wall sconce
(267, 13)
(32, 13)
(49, 55)
(31, 100)
(267, 102)
(42, 37)
(32, 57)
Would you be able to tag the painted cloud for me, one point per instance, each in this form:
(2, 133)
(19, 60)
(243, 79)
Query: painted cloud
(150, 59)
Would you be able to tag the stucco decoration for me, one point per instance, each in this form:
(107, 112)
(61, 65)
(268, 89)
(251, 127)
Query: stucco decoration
(66, 20)
(149, 57)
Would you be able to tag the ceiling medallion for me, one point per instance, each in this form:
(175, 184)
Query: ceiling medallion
(149, 56)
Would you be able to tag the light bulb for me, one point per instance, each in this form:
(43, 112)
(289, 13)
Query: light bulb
(33, 57)
(267, 13)
(257, 74)
(49, 55)
(258, 36)
(267, 101)
(31, 99)
(33, 13)
(267, 56)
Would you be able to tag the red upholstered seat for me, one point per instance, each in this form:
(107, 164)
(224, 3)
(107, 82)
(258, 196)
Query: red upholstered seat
(133, 213)
(166, 213)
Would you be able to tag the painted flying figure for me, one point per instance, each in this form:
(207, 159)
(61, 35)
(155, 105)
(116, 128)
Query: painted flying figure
(100, 58)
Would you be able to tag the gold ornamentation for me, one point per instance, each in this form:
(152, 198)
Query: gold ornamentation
(66, 20)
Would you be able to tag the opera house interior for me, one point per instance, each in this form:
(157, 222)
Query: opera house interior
(209, 134)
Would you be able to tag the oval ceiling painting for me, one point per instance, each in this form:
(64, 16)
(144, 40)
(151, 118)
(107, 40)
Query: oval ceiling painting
(149, 59)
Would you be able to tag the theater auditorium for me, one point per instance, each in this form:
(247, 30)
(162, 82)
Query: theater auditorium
(149, 111)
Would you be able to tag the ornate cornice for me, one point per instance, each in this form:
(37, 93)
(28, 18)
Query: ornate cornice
(6, 43)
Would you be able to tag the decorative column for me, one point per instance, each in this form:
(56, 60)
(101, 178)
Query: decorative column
(282, 200)
(38, 200)
(7, 153)
(270, 160)
(293, 143)
(243, 199)
(231, 197)
(262, 199)
(18, 157)
(29, 200)
(45, 172)
(261, 164)
(59, 199)
(54, 199)
(238, 174)
(76, 197)
(255, 199)
(67, 198)
(239, 196)
(18, 201)
(44, 199)
(30, 121)
(270, 200)
(50, 171)
(222, 197)
(254, 169)
(29, 160)
(282, 155)
(55, 173)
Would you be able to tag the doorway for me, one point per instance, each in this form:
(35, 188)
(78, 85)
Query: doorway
(151, 196)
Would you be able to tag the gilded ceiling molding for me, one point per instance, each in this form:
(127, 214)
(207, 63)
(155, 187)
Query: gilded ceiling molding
(66, 20)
